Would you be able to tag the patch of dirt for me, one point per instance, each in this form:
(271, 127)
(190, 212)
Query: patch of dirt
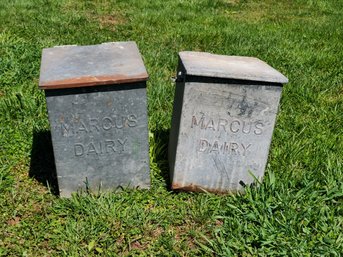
(14, 221)
(110, 20)
(219, 223)
(102, 13)
(157, 232)
(137, 245)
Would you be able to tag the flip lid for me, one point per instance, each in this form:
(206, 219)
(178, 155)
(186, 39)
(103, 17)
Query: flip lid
(229, 67)
(82, 66)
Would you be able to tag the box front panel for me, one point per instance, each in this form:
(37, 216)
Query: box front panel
(100, 138)
(225, 134)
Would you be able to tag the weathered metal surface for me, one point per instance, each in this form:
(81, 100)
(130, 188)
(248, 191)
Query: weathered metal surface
(81, 66)
(99, 133)
(221, 129)
(230, 67)
(100, 137)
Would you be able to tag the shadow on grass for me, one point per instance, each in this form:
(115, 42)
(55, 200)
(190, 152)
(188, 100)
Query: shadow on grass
(43, 169)
(161, 140)
(42, 166)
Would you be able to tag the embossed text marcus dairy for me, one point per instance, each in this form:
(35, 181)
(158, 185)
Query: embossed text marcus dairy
(96, 99)
(223, 119)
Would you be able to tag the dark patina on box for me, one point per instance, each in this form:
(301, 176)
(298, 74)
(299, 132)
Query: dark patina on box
(224, 113)
(97, 108)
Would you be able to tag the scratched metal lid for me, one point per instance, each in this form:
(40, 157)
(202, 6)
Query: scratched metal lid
(82, 66)
(229, 67)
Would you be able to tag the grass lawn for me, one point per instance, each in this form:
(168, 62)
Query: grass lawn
(298, 209)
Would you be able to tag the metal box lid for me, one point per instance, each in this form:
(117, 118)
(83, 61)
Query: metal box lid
(229, 67)
(82, 66)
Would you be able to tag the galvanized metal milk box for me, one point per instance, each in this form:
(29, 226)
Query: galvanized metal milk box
(97, 108)
(223, 119)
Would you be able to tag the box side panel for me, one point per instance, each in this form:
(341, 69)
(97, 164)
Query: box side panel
(100, 138)
(224, 136)
(175, 125)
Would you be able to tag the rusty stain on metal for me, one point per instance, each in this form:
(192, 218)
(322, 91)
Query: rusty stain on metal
(87, 81)
(197, 188)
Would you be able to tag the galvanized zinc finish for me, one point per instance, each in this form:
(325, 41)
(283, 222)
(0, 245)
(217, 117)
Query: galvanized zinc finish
(81, 66)
(221, 128)
(230, 67)
(100, 137)
(98, 116)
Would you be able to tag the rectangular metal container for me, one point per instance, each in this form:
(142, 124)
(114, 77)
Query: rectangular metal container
(224, 113)
(97, 108)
